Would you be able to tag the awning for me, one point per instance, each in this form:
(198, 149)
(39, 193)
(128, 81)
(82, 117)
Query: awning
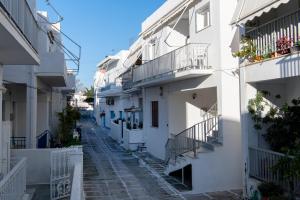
(134, 53)
(247, 10)
(167, 11)
(107, 60)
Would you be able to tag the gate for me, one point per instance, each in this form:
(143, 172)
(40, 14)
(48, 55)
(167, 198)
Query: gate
(61, 174)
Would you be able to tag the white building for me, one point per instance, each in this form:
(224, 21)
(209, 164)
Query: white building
(37, 92)
(108, 89)
(265, 23)
(181, 90)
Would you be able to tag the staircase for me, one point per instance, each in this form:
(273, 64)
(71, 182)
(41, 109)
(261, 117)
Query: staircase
(202, 136)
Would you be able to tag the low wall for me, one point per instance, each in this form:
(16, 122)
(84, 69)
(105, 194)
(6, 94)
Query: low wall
(116, 131)
(132, 138)
(38, 164)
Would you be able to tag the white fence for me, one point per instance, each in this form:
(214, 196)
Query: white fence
(66, 166)
(21, 14)
(13, 185)
(191, 56)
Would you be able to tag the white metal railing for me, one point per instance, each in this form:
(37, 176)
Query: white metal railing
(191, 139)
(262, 163)
(191, 56)
(22, 16)
(65, 168)
(266, 36)
(13, 185)
(61, 173)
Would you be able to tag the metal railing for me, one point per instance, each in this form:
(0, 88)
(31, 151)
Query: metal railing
(22, 16)
(64, 171)
(18, 142)
(266, 36)
(190, 56)
(42, 140)
(262, 163)
(13, 185)
(191, 139)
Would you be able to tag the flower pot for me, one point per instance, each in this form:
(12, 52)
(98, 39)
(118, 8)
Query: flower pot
(274, 55)
(295, 49)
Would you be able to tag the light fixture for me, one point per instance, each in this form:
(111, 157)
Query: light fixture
(161, 91)
(194, 96)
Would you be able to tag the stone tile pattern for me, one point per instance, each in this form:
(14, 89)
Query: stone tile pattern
(112, 173)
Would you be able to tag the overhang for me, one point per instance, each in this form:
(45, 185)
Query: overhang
(247, 10)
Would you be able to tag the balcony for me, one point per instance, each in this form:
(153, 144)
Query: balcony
(18, 33)
(52, 69)
(110, 90)
(186, 62)
(71, 83)
(277, 44)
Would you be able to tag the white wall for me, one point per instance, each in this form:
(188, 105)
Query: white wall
(156, 138)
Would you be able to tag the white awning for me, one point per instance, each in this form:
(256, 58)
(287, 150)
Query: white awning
(247, 10)
(167, 11)
(134, 53)
(107, 60)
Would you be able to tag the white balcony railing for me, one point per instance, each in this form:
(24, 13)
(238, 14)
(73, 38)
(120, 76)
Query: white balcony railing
(13, 185)
(188, 57)
(277, 35)
(262, 163)
(21, 14)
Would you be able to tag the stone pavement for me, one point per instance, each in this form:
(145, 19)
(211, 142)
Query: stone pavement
(111, 173)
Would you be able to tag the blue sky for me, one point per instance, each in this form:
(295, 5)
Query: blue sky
(101, 27)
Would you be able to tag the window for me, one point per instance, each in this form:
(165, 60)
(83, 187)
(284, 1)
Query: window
(203, 18)
(154, 108)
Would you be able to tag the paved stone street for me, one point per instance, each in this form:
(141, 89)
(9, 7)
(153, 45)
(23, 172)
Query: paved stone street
(111, 173)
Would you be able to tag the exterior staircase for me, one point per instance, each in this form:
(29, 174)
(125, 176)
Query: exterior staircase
(201, 137)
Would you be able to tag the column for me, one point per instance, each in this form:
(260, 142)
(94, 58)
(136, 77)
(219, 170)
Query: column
(31, 109)
(3, 156)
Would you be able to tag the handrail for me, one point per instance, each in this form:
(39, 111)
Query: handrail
(13, 185)
(46, 132)
(18, 142)
(192, 138)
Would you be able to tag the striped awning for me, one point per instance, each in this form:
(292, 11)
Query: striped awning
(247, 10)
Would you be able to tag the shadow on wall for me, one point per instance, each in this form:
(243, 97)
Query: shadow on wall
(289, 66)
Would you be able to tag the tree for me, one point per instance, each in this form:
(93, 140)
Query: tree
(89, 93)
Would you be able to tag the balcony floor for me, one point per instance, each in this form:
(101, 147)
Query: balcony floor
(172, 77)
(41, 192)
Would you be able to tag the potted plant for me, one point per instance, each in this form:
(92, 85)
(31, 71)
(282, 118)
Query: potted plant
(269, 190)
(283, 45)
(247, 51)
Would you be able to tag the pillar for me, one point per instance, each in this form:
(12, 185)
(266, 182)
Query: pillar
(31, 109)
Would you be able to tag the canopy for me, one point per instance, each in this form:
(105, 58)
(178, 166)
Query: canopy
(247, 10)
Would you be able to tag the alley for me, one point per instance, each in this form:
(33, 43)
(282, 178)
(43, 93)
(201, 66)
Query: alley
(112, 173)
